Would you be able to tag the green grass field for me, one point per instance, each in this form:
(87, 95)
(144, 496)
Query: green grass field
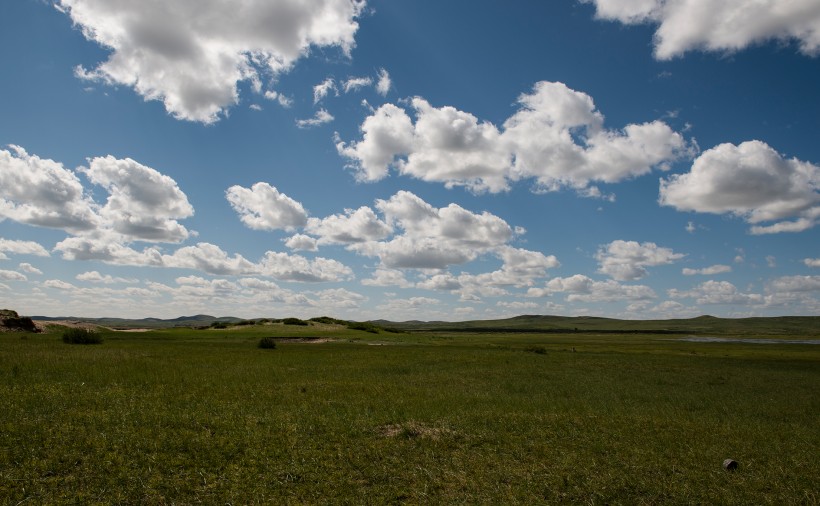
(204, 416)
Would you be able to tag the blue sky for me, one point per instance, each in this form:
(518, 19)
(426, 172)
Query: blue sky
(410, 160)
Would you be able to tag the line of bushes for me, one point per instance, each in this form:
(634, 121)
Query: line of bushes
(327, 320)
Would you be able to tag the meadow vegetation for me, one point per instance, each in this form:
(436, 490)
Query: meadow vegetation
(336, 414)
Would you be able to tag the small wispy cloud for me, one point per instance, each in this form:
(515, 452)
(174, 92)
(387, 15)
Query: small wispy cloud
(356, 83)
(321, 117)
(708, 271)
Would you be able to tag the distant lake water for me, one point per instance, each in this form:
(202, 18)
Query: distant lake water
(706, 339)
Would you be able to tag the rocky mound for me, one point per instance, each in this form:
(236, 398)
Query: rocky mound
(10, 321)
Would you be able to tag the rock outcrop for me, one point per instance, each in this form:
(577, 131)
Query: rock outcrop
(10, 321)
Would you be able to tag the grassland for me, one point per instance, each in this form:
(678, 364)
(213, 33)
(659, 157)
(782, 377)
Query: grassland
(341, 416)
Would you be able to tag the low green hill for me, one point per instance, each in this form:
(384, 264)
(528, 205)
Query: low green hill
(802, 325)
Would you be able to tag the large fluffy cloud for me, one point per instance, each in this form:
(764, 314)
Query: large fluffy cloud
(727, 25)
(413, 234)
(544, 132)
(298, 268)
(556, 138)
(752, 181)
(519, 268)
(42, 192)
(142, 203)
(386, 133)
(433, 238)
(263, 207)
(453, 223)
(628, 260)
(190, 54)
(351, 227)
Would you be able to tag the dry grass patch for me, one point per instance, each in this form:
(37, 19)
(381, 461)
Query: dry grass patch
(303, 340)
(414, 430)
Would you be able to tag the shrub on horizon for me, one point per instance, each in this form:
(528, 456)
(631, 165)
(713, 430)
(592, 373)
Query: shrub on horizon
(367, 327)
(294, 321)
(267, 343)
(327, 320)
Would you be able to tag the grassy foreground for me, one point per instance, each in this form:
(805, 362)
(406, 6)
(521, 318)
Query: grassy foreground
(184, 416)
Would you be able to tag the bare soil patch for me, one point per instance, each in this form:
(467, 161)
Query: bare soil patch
(308, 340)
(412, 430)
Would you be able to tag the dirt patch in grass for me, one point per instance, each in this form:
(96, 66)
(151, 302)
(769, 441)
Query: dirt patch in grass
(413, 430)
(308, 340)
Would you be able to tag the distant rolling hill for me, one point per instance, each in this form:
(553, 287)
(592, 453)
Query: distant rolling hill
(790, 325)
(200, 320)
(701, 325)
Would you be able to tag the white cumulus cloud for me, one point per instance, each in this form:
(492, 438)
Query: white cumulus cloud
(725, 25)
(794, 284)
(430, 237)
(717, 292)
(386, 133)
(556, 138)
(142, 203)
(351, 227)
(628, 260)
(191, 54)
(96, 277)
(6, 275)
(22, 247)
(751, 181)
(27, 267)
(263, 207)
(41, 192)
(581, 288)
(387, 277)
(298, 268)
(302, 242)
